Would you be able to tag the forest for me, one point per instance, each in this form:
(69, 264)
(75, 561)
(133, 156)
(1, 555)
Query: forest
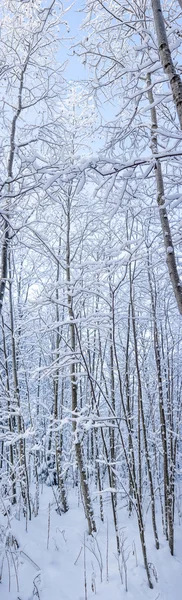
(90, 299)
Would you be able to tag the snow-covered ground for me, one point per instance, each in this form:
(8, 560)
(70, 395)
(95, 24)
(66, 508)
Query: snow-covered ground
(74, 566)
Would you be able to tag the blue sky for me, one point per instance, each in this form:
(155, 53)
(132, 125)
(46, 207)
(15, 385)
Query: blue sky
(75, 70)
(74, 17)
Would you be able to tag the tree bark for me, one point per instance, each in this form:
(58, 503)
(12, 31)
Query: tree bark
(73, 375)
(166, 231)
(166, 58)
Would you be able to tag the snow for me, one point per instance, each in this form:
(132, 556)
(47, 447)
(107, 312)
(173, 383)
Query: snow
(55, 561)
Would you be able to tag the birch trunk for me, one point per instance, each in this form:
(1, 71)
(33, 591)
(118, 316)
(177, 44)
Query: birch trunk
(166, 58)
(58, 454)
(168, 500)
(166, 231)
(78, 449)
(141, 410)
(24, 480)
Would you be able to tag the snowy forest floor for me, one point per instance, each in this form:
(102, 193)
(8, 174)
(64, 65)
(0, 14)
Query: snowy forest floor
(59, 571)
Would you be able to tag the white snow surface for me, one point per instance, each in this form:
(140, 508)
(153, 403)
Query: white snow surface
(59, 570)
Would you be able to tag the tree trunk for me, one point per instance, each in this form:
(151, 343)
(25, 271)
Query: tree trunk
(166, 58)
(78, 450)
(166, 231)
